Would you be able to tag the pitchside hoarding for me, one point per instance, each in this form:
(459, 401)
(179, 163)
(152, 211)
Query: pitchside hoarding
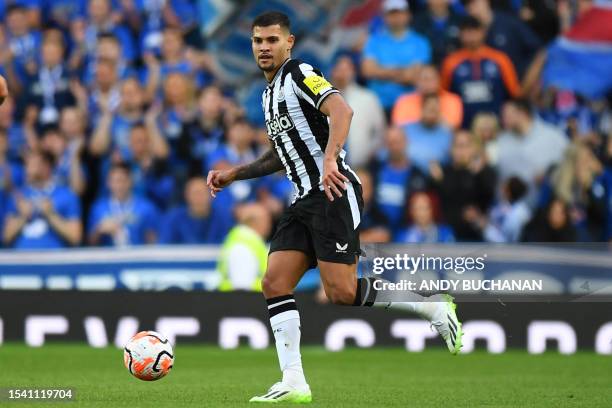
(537, 297)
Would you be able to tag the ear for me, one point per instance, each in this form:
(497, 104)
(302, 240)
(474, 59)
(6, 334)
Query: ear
(290, 41)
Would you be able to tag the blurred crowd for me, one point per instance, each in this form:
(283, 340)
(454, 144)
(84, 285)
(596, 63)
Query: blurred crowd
(118, 110)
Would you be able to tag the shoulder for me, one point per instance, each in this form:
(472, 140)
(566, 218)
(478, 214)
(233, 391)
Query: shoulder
(64, 194)
(456, 58)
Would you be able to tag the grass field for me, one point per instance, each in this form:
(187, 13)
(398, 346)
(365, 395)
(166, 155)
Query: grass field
(210, 377)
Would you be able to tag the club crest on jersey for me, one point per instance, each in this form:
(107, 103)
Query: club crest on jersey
(279, 124)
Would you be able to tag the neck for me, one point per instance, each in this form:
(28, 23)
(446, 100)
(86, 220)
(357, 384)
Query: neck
(439, 12)
(398, 32)
(198, 212)
(122, 199)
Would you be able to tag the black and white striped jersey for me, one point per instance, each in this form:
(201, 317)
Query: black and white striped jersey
(296, 127)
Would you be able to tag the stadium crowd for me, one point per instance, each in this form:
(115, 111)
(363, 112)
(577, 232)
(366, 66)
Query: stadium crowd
(118, 111)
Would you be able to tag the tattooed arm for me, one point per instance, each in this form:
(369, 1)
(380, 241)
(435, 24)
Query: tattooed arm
(268, 163)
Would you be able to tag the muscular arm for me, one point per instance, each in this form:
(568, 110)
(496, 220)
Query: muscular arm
(268, 163)
(340, 115)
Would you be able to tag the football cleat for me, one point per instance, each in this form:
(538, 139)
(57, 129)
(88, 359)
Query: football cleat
(447, 324)
(281, 392)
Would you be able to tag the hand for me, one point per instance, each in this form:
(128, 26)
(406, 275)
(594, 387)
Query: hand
(153, 113)
(150, 60)
(24, 207)
(436, 171)
(218, 179)
(109, 226)
(333, 181)
(46, 207)
(78, 90)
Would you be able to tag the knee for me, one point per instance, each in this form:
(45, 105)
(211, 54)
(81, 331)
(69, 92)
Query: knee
(341, 294)
(272, 287)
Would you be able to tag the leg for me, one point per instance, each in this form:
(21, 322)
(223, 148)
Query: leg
(285, 269)
(343, 288)
(339, 281)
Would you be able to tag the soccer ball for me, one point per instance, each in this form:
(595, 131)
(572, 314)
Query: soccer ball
(148, 356)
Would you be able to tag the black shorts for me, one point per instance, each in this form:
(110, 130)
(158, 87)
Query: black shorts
(322, 229)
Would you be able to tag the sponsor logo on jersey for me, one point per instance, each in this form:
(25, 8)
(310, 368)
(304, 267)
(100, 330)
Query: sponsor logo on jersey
(279, 124)
(316, 84)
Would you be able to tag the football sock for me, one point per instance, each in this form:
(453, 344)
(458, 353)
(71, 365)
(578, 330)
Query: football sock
(285, 322)
(418, 305)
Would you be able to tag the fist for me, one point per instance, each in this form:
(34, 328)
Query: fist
(3, 90)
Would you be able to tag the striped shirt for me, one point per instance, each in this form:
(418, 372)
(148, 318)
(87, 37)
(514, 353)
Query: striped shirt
(297, 129)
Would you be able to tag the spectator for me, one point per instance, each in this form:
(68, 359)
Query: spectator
(528, 147)
(112, 133)
(197, 222)
(368, 124)
(374, 226)
(577, 181)
(42, 214)
(179, 109)
(485, 128)
(60, 13)
(430, 139)
(100, 20)
(507, 218)
(108, 48)
(49, 91)
(150, 173)
(244, 255)
(424, 229)
(175, 57)
(482, 76)
(150, 17)
(440, 24)
(72, 125)
(69, 171)
(122, 218)
(393, 57)
(205, 132)
(395, 177)
(466, 184)
(103, 95)
(23, 49)
(11, 171)
(552, 224)
(16, 132)
(407, 109)
(240, 137)
(506, 33)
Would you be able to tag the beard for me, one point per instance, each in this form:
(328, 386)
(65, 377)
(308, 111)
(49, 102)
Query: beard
(268, 68)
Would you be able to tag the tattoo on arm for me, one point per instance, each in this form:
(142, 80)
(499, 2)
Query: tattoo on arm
(337, 151)
(268, 163)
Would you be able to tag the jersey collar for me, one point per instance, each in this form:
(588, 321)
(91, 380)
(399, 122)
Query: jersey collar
(278, 73)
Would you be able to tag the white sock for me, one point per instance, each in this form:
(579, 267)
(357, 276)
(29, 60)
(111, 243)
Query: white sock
(285, 322)
(424, 309)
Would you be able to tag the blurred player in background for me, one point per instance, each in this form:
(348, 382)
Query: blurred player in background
(3, 89)
(308, 122)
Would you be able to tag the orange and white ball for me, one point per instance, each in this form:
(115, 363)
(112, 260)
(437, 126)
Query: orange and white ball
(148, 356)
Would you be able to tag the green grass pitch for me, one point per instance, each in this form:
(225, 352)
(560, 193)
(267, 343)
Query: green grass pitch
(206, 376)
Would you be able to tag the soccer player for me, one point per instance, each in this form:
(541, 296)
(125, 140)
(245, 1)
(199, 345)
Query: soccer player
(307, 122)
